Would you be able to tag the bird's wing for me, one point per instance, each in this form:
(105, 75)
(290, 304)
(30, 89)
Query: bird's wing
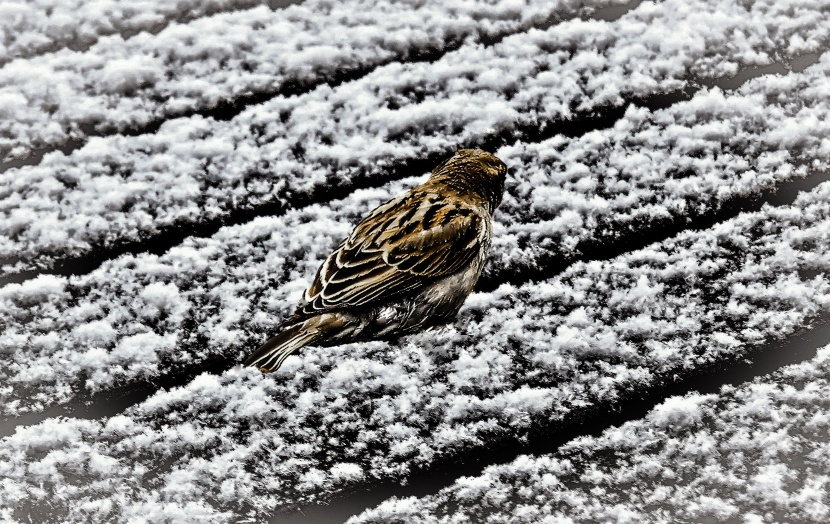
(401, 246)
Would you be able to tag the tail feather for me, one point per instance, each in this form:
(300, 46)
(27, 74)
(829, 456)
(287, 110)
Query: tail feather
(276, 349)
(270, 356)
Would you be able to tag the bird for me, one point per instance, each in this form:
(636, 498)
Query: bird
(407, 266)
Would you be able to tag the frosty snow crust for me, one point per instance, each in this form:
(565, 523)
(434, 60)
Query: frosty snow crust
(239, 444)
(160, 305)
(27, 30)
(748, 452)
(244, 443)
(192, 169)
(122, 83)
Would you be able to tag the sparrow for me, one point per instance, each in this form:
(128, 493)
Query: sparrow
(409, 265)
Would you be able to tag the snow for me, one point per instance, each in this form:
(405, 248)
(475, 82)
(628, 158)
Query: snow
(41, 26)
(250, 51)
(276, 441)
(679, 411)
(620, 260)
(123, 188)
(751, 453)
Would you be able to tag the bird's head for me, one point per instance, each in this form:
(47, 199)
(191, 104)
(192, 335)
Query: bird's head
(474, 170)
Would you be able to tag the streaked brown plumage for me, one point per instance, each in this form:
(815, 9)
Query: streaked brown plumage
(409, 265)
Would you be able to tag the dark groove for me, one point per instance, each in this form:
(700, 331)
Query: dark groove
(547, 437)
(615, 12)
(748, 74)
(802, 62)
(36, 156)
(116, 400)
(154, 29)
(796, 64)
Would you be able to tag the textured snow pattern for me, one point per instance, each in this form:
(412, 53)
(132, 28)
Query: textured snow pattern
(39, 26)
(755, 453)
(249, 443)
(632, 248)
(121, 188)
(121, 83)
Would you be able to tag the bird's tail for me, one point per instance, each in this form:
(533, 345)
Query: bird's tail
(293, 336)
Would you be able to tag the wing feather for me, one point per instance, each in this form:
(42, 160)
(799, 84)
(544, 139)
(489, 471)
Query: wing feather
(401, 246)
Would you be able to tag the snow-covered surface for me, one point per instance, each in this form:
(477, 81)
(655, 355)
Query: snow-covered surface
(246, 443)
(755, 453)
(121, 188)
(533, 346)
(122, 83)
(32, 27)
(700, 152)
(653, 167)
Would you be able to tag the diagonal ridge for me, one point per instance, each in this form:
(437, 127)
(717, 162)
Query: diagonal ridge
(151, 26)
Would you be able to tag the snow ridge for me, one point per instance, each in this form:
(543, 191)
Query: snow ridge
(42, 26)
